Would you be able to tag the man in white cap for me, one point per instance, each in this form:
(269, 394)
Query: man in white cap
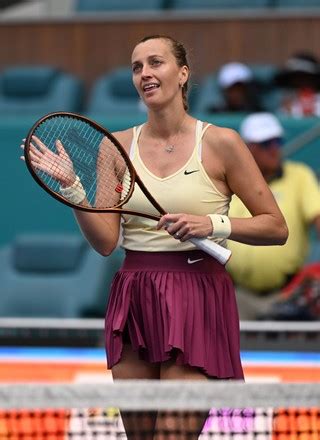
(238, 89)
(260, 272)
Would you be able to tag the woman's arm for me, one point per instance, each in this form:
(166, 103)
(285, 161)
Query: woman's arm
(242, 177)
(102, 230)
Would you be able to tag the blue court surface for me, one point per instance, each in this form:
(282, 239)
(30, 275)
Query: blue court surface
(67, 354)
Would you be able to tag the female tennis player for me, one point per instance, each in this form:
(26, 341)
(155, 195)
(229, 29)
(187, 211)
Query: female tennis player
(172, 312)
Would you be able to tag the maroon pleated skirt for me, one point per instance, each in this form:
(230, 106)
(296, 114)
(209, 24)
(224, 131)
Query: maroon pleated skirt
(175, 305)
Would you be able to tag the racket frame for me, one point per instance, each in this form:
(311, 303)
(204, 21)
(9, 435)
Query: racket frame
(135, 177)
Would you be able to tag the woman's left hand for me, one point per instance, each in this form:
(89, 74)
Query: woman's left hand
(186, 226)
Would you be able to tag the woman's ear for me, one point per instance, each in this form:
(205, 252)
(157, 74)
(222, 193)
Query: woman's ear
(184, 75)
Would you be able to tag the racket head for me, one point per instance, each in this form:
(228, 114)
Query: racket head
(96, 155)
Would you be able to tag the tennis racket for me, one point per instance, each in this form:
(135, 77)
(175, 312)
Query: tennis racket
(101, 163)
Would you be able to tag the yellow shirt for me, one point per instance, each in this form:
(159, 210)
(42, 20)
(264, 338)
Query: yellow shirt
(267, 267)
(184, 191)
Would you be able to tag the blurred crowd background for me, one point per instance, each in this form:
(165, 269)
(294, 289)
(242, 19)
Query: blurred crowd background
(247, 56)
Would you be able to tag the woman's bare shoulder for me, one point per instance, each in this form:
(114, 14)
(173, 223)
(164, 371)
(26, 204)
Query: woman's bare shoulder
(124, 137)
(223, 134)
(222, 138)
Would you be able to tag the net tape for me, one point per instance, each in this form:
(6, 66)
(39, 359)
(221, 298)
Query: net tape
(161, 395)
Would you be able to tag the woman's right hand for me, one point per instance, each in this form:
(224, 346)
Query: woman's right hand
(58, 165)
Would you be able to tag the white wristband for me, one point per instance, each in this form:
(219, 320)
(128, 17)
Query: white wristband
(74, 193)
(221, 226)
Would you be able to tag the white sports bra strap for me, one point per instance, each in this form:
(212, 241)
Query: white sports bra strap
(199, 139)
(135, 137)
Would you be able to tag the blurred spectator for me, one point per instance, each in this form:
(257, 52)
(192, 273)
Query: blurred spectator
(260, 272)
(238, 88)
(301, 77)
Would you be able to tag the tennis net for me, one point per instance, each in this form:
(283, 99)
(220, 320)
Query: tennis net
(162, 410)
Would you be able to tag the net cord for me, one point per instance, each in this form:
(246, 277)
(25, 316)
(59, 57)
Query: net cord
(157, 395)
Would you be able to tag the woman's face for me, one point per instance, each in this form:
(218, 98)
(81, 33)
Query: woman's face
(156, 74)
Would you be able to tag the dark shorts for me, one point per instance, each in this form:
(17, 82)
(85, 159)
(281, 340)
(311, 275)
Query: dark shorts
(171, 306)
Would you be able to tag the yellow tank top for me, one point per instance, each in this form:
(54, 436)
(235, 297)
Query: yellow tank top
(188, 190)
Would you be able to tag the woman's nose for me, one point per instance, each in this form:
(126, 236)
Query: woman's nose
(145, 71)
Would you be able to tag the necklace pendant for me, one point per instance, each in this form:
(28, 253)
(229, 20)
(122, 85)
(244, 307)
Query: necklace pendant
(169, 148)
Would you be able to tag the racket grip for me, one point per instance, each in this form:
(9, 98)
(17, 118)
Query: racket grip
(220, 253)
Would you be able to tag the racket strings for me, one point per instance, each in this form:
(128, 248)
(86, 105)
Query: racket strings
(93, 157)
(61, 129)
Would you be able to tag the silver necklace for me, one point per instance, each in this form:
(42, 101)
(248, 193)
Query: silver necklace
(171, 147)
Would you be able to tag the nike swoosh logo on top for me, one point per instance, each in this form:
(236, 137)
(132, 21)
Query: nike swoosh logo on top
(194, 261)
(190, 172)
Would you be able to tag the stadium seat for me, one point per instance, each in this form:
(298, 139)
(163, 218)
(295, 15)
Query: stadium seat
(271, 95)
(114, 93)
(36, 90)
(52, 276)
(208, 94)
(117, 5)
(264, 73)
(314, 254)
(218, 4)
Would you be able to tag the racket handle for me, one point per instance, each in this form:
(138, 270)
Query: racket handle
(220, 253)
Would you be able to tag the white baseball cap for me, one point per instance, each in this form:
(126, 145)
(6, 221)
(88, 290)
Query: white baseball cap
(260, 127)
(233, 73)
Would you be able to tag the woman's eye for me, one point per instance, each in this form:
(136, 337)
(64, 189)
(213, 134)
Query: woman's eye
(135, 68)
(156, 62)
